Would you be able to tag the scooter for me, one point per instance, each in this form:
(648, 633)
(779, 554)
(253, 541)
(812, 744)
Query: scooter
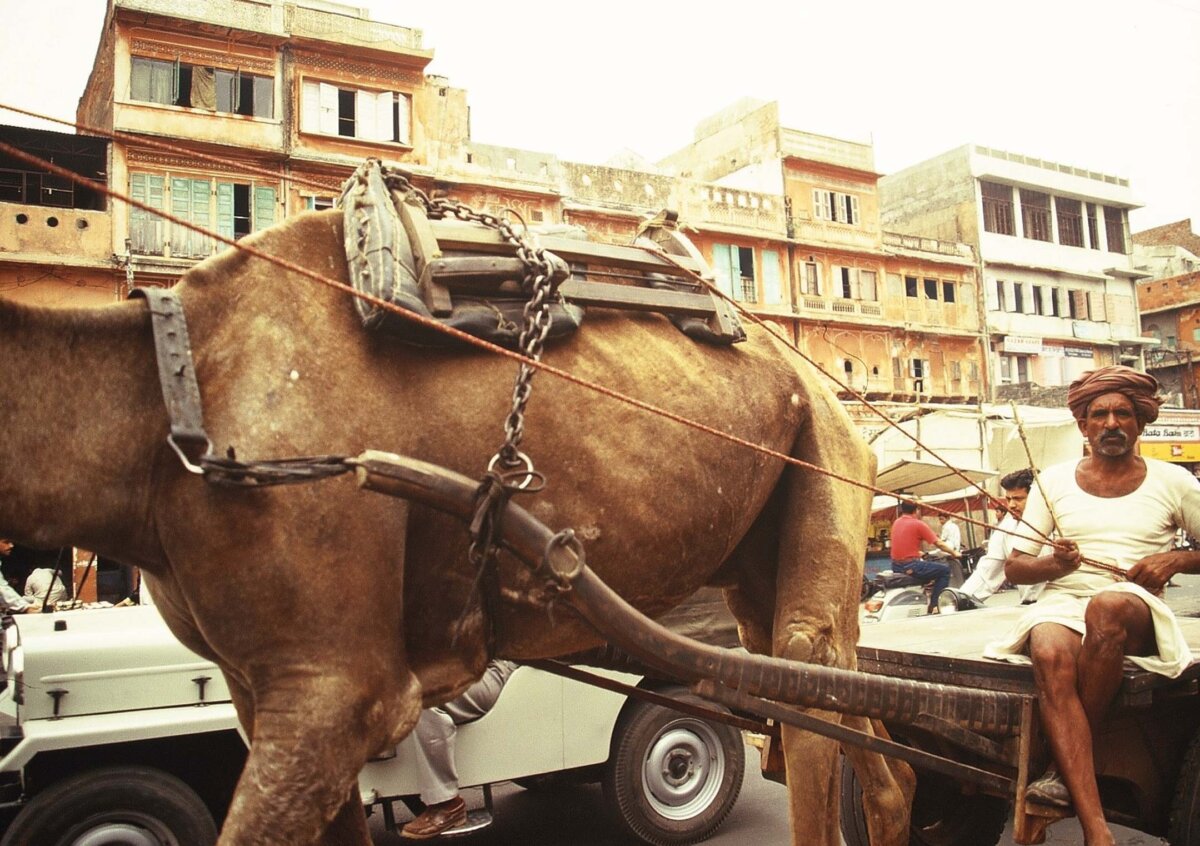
(895, 596)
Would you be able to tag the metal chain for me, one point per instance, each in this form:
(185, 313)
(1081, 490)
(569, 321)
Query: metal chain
(515, 471)
(539, 283)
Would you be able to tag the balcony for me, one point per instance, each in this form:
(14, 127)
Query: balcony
(823, 233)
(747, 210)
(839, 307)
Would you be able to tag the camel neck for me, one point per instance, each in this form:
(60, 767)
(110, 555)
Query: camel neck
(79, 409)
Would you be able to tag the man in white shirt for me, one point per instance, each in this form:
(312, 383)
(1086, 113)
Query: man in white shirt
(951, 535)
(1116, 514)
(988, 575)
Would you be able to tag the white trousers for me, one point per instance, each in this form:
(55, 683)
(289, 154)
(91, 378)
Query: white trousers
(437, 729)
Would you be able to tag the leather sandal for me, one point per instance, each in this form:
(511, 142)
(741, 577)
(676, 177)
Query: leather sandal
(436, 819)
(1050, 789)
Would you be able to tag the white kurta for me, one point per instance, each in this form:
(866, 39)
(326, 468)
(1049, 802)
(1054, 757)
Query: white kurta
(1116, 530)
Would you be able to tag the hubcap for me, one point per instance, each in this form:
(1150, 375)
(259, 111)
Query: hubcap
(683, 769)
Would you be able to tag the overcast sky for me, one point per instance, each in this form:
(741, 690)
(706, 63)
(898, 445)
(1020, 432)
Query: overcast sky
(1110, 85)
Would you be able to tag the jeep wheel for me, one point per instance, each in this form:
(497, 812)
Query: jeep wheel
(672, 778)
(115, 806)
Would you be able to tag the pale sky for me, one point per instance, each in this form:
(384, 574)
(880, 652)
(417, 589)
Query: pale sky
(1110, 85)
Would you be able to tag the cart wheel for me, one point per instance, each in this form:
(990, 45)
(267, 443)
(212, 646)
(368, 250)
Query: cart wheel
(672, 778)
(942, 815)
(1183, 825)
(115, 806)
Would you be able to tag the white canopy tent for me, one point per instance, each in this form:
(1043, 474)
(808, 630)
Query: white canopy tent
(984, 438)
(984, 442)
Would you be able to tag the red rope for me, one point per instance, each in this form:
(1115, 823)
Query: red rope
(478, 342)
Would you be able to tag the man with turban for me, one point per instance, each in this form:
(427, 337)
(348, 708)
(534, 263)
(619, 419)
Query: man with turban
(1113, 515)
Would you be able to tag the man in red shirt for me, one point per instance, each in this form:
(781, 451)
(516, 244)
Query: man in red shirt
(907, 533)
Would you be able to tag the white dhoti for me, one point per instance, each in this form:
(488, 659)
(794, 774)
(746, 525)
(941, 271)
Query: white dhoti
(1066, 607)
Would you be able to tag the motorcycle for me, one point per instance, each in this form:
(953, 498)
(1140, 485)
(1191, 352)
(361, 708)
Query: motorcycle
(891, 596)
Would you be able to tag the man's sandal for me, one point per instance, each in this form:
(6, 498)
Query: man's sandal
(1050, 789)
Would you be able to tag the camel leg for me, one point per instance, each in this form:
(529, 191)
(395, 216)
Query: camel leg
(310, 737)
(823, 534)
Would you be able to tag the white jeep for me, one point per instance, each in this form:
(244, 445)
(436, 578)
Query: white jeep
(112, 732)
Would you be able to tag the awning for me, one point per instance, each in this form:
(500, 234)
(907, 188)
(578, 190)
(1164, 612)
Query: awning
(911, 477)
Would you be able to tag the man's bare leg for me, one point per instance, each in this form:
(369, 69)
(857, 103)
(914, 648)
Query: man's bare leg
(1055, 651)
(1118, 624)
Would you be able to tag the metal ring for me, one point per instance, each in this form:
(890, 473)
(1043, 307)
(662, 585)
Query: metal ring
(568, 540)
(187, 462)
(522, 458)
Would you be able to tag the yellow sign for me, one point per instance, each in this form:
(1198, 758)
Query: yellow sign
(1178, 452)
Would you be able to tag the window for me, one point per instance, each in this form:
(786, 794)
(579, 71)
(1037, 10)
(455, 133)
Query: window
(1093, 230)
(830, 205)
(191, 200)
(997, 208)
(1014, 368)
(910, 286)
(931, 289)
(948, 291)
(353, 113)
(733, 267)
(999, 298)
(1070, 221)
(868, 288)
(844, 282)
(1056, 301)
(1018, 298)
(1079, 305)
(237, 208)
(318, 203)
(1114, 229)
(201, 87)
(155, 81)
(1035, 214)
(810, 279)
(956, 371)
(918, 369)
(243, 93)
(147, 233)
(1036, 296)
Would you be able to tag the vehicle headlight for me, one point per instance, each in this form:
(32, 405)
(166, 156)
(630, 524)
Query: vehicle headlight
(873, 606)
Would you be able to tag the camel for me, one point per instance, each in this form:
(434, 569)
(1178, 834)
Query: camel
(332, 611)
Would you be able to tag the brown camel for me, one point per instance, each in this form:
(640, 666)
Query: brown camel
(329, 609)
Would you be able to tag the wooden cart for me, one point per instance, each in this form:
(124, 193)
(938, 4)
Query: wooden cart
(1147, 753)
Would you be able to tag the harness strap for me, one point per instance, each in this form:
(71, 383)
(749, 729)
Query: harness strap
(181, 394)
(177, 376)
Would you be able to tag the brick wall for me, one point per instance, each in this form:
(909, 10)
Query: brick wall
(1160, 293)
(1177, 234)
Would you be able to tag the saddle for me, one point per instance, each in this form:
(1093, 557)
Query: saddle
(403, 249)
(888, 580)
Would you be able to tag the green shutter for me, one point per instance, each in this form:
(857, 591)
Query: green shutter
(772, 287)
(264, 207)
(202, 215)
(722, 268)
(225, 210)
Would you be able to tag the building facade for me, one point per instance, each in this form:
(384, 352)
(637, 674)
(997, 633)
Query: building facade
(240, 113)
(1054, 258)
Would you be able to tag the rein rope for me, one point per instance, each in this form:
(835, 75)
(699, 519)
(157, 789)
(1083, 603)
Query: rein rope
(230, 471)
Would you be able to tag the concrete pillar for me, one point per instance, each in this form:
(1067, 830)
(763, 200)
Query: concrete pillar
(1018, 224)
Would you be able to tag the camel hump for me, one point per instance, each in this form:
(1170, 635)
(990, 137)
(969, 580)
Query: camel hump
(475, 272)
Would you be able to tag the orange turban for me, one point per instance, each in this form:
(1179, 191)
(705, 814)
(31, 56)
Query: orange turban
(1141, 388)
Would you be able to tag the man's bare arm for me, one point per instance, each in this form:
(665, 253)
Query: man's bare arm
(1154, 571)
(1021, 568)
